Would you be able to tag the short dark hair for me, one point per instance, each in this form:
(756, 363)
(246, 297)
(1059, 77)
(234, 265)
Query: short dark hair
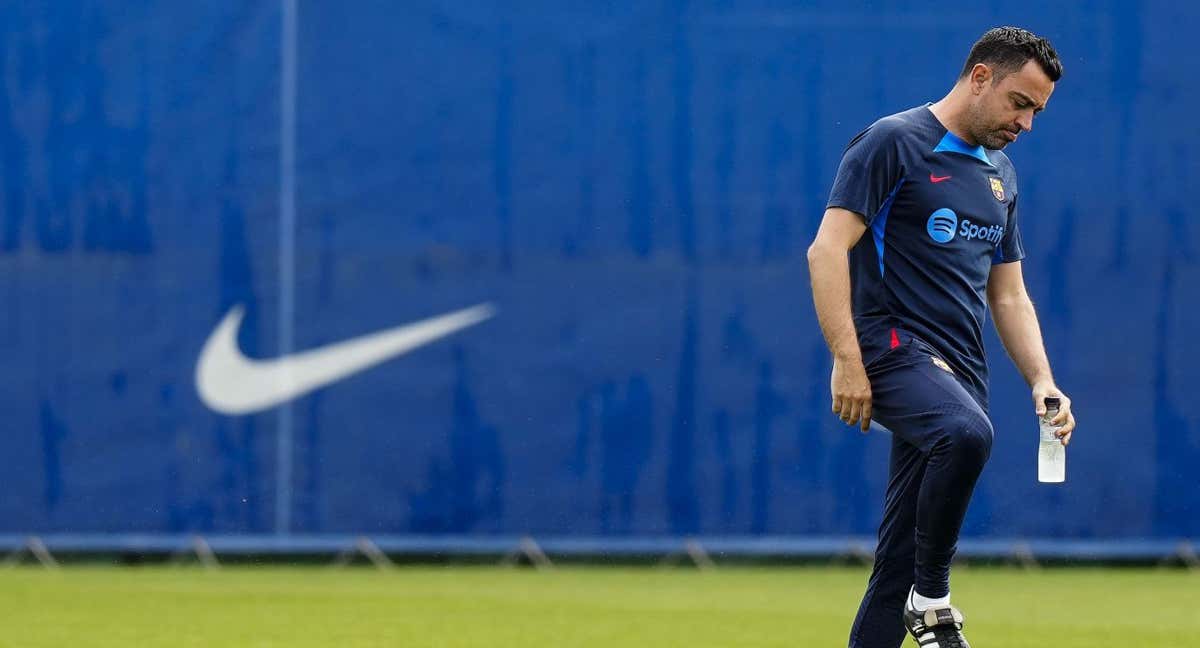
(1007, 49)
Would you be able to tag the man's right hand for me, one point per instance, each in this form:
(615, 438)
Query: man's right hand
(829, 273)
(851, 392)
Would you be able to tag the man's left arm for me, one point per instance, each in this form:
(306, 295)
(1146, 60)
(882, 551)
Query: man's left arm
(1017, 324)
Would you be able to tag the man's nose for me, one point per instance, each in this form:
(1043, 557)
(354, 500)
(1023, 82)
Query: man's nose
(1025, 121)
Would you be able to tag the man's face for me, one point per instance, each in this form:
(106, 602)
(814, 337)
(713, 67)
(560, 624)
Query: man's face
(1004, 109)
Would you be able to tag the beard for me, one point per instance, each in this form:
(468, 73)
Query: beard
(989, 136)
(993, 139)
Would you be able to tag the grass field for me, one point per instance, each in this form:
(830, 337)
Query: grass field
(583, 606)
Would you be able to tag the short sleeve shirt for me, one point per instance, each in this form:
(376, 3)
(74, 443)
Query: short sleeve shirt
(939, 213)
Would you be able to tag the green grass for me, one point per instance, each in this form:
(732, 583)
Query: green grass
(609, 607)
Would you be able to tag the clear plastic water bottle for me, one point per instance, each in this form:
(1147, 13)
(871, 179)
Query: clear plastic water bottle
(1052, 454)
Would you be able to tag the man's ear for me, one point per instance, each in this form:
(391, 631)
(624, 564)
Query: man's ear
(981, 76)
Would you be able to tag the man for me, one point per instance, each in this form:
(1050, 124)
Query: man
(918, 240)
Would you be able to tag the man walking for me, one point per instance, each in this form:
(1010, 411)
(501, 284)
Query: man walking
(918, 240)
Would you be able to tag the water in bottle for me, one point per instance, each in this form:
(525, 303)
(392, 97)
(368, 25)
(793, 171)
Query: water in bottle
(1052, 454)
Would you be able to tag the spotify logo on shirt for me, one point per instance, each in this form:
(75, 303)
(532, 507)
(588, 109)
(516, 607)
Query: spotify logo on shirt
(942, 224)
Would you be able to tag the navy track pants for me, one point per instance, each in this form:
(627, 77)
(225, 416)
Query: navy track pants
(941, 439)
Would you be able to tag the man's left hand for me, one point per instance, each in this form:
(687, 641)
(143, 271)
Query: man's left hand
(1065, 419)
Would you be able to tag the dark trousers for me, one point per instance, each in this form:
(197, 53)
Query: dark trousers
(941, 439)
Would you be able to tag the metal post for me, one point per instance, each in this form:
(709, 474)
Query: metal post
(287, 254)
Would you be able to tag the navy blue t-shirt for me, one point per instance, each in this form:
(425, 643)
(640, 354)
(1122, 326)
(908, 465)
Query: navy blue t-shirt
(939, 214)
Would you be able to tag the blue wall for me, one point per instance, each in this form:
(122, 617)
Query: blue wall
(633, 189)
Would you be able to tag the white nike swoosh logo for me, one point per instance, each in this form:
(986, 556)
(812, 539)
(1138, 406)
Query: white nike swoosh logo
(231, 383)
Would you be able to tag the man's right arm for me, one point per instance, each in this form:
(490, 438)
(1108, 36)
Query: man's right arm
(829, 270)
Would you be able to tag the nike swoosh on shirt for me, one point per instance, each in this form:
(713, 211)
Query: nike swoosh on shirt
(933, 178)
(229, 382)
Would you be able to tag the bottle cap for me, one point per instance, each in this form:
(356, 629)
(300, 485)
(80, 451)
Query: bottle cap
(1053, 402)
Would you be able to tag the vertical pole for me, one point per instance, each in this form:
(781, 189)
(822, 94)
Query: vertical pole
(287, 254)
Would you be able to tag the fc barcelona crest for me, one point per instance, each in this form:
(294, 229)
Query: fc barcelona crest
(997, 188)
